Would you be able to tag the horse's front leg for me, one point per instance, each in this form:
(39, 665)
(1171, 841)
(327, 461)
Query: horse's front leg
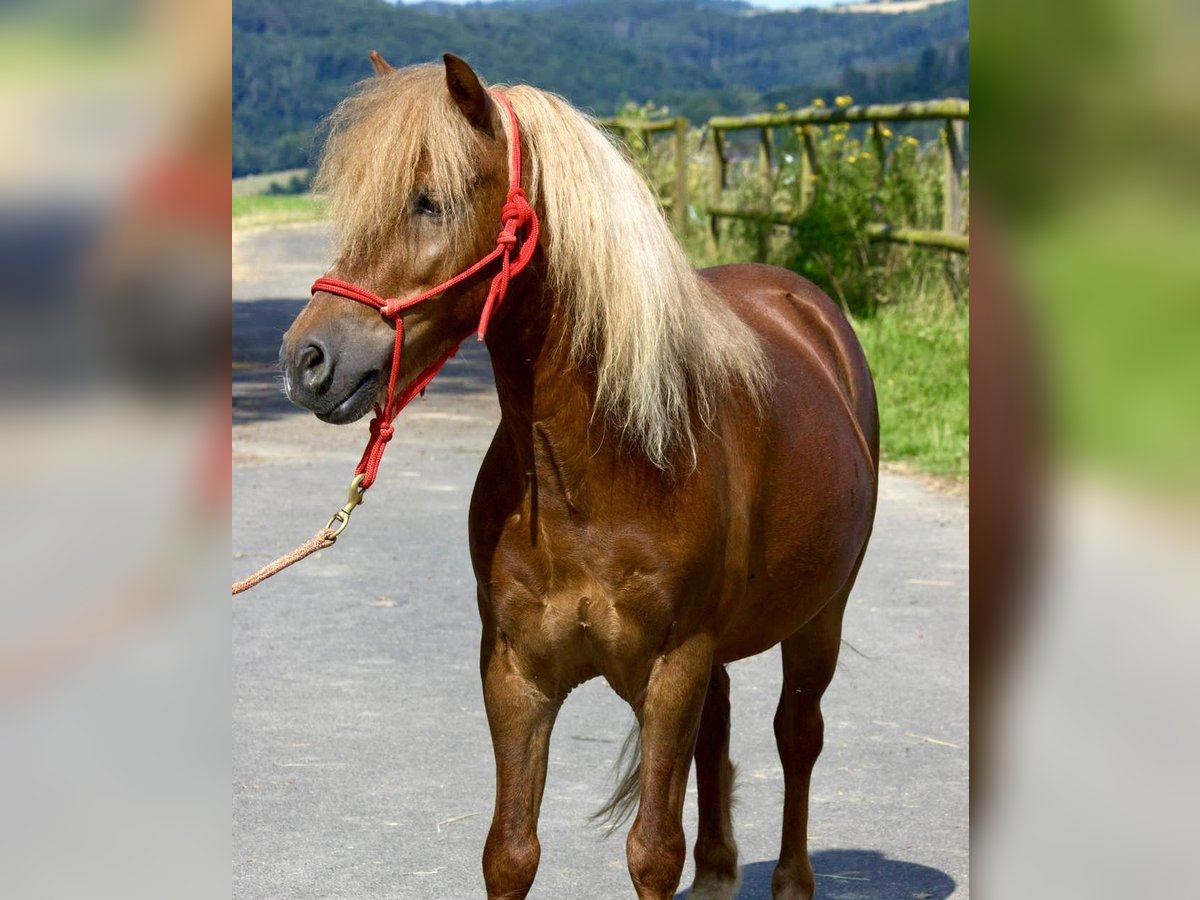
(674, 698)
(521, 717)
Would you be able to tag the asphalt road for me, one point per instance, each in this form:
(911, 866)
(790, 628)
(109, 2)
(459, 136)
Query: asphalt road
(361, 762)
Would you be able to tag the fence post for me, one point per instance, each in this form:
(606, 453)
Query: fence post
(681, 210)
(880, 150)
(716, 186)
(765, 153)
(809, 169)
(952, 213)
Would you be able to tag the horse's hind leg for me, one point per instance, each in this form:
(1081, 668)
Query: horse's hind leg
(673, 700)
(809, 659)
(520, 717)
(715, 852)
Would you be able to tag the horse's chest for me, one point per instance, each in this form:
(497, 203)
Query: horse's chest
(578, 616)
(580, 612)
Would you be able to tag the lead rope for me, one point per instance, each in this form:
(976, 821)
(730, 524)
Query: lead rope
(515, 215)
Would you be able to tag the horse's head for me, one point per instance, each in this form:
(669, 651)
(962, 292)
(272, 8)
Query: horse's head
(416, 171)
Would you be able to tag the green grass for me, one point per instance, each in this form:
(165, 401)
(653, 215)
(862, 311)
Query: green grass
(248, 185)
(269, 210)
(919, 359)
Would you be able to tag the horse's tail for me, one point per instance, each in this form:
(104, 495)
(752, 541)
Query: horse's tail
(628, 775)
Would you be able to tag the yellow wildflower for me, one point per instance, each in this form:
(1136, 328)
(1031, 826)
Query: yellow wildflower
(818, 103)
(781, 107)
(866, 154)
(911, 141)
(886, 132)
(852, 159)
(844, 100)
(839, 135)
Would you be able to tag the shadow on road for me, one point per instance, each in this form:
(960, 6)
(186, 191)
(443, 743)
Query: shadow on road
(853, 875)
(258, 327)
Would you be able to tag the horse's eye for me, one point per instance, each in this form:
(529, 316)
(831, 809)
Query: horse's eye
(425, 205)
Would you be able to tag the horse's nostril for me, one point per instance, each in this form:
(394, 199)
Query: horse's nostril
(316, 367)
(311, 357)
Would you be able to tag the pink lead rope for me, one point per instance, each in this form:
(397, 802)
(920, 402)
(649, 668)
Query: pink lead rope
(519, 225)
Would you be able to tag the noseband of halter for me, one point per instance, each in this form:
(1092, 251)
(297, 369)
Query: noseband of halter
(519, 225)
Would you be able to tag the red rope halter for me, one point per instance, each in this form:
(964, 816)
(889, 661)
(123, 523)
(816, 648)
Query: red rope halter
(515, 215)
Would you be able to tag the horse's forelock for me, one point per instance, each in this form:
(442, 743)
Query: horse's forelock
(393, 129)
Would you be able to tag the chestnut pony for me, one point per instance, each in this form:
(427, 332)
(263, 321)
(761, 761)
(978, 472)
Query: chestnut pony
(684, 473)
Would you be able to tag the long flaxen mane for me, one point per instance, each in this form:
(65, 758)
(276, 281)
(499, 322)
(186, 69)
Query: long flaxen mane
(666, 348)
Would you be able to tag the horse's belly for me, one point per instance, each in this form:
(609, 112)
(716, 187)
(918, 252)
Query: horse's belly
(768, 618)
(808, 536)
(772, 611)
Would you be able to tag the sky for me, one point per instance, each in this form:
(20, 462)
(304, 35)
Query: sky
(768, 4)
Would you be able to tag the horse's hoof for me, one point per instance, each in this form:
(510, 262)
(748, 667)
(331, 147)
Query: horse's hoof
(715, 887)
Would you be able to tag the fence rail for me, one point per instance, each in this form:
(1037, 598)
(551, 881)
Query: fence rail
(876, 112)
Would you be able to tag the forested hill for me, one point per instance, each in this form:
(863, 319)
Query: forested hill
(294, 59)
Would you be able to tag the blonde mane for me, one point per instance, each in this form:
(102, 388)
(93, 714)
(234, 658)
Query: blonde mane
(662, 342)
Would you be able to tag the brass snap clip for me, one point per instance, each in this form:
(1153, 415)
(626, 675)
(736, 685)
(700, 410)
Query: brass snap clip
(339, 520)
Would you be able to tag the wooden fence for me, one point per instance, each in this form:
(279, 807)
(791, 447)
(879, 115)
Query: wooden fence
(647, 129)
(952, 235)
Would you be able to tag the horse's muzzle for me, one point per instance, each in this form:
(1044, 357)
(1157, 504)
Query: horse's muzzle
(337, 384)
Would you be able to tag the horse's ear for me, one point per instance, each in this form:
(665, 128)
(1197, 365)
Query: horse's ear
(469, 94)
(379, 64)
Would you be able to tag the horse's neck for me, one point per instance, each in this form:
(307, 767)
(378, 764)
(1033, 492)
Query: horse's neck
(546, 398)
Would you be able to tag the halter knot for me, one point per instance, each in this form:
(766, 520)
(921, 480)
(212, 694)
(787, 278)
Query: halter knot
(381, 429)
(516, 212)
